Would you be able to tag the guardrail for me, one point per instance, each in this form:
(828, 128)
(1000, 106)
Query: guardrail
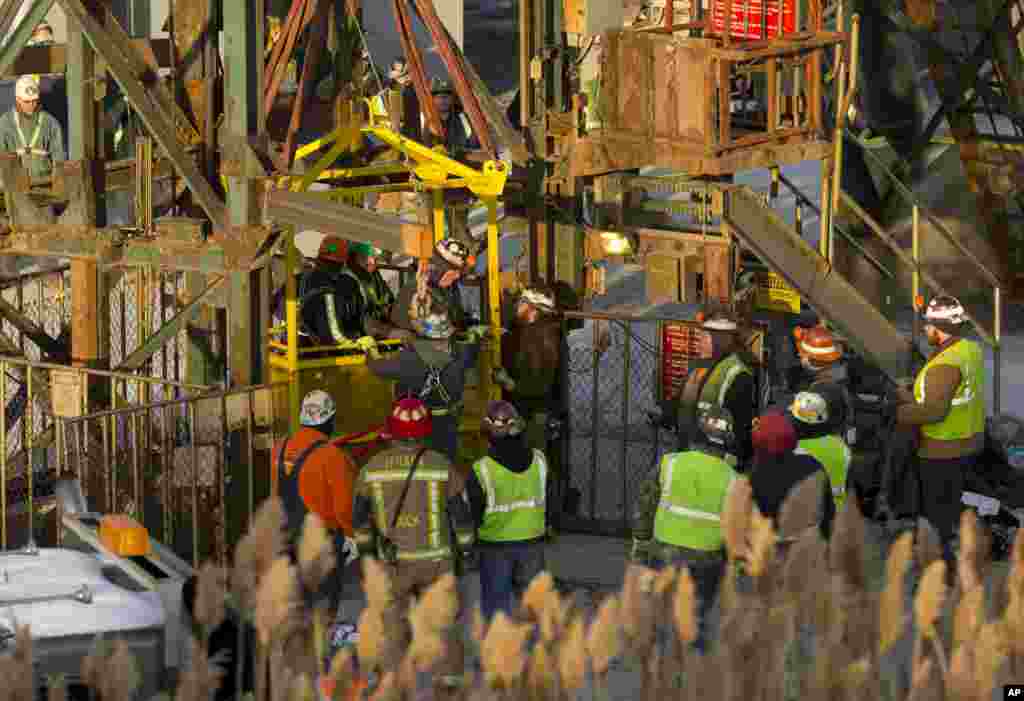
(45, 393)
(206, 458)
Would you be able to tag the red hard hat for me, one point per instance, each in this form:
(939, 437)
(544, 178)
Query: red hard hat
(773, 435)
(333, 250)
(409, 419)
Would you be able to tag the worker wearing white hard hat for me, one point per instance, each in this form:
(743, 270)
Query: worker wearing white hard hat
(30, 131)
(315, 476)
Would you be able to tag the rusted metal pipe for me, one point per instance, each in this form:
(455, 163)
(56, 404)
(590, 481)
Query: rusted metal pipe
(297, 27)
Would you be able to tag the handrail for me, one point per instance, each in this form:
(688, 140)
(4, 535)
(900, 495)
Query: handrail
(989, 276)
(909, 261)
(842, 232)
(16, 360)
(212, 394)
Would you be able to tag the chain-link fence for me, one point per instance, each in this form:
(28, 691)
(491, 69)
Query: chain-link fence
(612, 441)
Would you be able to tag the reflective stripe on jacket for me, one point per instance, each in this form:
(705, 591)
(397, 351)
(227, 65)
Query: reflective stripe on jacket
(516, 501)
(966, 416)
(717, 386)
(835, 456)
(693, 489)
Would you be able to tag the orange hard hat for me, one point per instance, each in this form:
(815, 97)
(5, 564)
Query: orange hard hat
(333, 250)
(818, 345)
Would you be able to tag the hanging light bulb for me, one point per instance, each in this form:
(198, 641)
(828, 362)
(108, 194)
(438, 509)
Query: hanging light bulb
(615, 244)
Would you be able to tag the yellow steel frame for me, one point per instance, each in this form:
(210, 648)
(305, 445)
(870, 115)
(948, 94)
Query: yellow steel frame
(430, 170)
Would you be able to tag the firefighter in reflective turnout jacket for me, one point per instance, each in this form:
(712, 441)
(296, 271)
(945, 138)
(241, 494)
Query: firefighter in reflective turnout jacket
(678, 520)
(507, 493)
(948, 406)
(404, 498)
(366, 300)
(724, 380)
(314, 475)
(819, 437)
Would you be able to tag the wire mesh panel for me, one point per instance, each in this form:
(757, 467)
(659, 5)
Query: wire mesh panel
(611, 442)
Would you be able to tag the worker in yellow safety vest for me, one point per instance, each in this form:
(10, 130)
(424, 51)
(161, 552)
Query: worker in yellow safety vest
(507, 492)
(818, 436)
(948, 407)
(678, 519)
(722, 378)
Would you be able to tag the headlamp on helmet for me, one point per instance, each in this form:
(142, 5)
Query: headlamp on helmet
(718, 322)
(454, 253)
(817, 345)
(434, 326)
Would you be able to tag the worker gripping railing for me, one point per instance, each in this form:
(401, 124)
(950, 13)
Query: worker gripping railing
(51, 392)
(178, 458)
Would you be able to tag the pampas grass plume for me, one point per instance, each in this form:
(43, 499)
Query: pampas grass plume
(572, 656)
(800, 509)
(684, 607)
(502, 651)
(762, 544)
(892, 614)
(372, 637)
(736, 517)
(276, 599)
(211, 595)
(969, 616)
(604, 641)
(316, 554)
(377, 584)
(930, 598)
(535, 598)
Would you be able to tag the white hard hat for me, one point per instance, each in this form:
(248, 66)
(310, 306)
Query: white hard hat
(27, 87)
(809, 408)
(317, 408)
(945, 309)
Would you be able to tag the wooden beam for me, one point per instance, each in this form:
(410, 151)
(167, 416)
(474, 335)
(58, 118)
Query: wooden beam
(243, 364)
(161, 116)
(57, 58)
(155, 342)
(87, 319)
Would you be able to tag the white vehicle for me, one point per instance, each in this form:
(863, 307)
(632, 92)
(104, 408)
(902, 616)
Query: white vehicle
(69, 596)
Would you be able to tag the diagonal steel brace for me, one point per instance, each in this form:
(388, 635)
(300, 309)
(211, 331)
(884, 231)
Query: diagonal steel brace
(157, 111)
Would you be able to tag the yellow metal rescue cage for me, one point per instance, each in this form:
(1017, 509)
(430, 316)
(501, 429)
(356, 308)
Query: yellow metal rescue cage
(363, 399)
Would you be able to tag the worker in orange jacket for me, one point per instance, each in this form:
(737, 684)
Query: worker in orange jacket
(314, 475)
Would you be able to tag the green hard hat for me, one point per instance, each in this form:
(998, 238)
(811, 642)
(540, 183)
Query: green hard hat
(364, 249)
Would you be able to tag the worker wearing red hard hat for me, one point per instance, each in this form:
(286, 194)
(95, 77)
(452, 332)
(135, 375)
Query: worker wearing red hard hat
(404, 498)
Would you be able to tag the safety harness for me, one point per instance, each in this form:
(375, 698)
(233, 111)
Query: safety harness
(288, 487)
(28, 147)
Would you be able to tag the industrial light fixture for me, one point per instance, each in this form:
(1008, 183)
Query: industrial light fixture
(615, 244)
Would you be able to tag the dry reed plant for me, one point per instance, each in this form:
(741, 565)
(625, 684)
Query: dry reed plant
(572, 656)
(929, 547)
(973, 555)
(278, 601)
(892, 604)
(315, 553)
(17, 674)
(211, 597)
(502, 653)
(802, 508)
(604, 637)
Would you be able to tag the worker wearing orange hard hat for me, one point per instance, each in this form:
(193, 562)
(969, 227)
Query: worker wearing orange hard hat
(824, 370)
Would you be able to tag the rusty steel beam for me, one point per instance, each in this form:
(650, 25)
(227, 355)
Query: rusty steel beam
(314, 45)
(442, 40)
(161, 116)
(335, 219)
(155, 53)
(403, 22)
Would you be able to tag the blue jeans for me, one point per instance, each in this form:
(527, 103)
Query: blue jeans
(505, 572)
